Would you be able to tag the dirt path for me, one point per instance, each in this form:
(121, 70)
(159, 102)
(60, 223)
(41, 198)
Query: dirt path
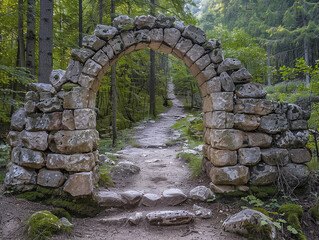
(160, 170)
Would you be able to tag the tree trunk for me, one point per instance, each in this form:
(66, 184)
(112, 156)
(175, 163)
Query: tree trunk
(268, 64)
(20, 35)
(30, 56)
(113, 86)
(45, 40)
(306, 51)
(80, 23)
(100, 11)
(152, 72)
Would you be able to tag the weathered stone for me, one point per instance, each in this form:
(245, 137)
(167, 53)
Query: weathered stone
(222, 188)
(109, 199)
(294, 112)
(150, 199)
(49, 178)
(196, 34)
(42, 87)
(246, 122)
(232, 175)
(251, 90)
(30, 107)
(212, 85)
(182, 47)
(78, 141)
(262, 140)
(14, 139)
(179, 25)
(204, 213)
(144, 21)
(241, 76)
(117, 44)
(207, 133)
(68, 120)
(50, 105)
(273, 123)
(82, 54)
(124, 170)
(218, 101)
(57, 78)
(73, 163)
(206, 165)
(101, 58)
(92, 41)
(18, 119)
(212, 44)
(163, 21)
(263, 174)
(136, 218)
(199, 65)
(298, 125)
(44, 122)
(173, 197)
(201, 193)
(123, 22)
(116, 221)
(236, 223)
(306, 114)
(295, 175)
(168, 218)
(142, 38)
(227, 82)
(229, 64)
(193, 55)
(84, 118)
(108, 50)
(280, 107)
(221, 158)
(275, 156)
(217, 55)
(228, 139)
(79, 184)
(254, 106)
(79, 97)
(219, 119)
(27, 158)
(104, 32)
(249, 156)
(290, 139)
(45, 96)
(206, 74)
(67, 87)
(171, 36)
(91, 68)
(128, 38)
(19, 178)
(156, 37)
(32, 95)
(300, 155)
(72, 72)
(131, 197)
(35, 140)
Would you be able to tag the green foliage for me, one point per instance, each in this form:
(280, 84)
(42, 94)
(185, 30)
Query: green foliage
(105, 175)
(61, 212)
(257, 232)
(314, 211)
(262, 210)
(253, 201)
(194, 162)
(42, 224)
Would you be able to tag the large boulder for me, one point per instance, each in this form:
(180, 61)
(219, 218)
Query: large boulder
(50, 178)
(79, 184)
(295, 175)
(249, 156)
(238, 223)
(263, 174)
(246, 122)
(44, 122)
(275, 156)
(109, 199)
(173, 197)
(228, 139)
(273, 123)
(289, 139)
(221, 158)
(201, 193)
(233, 175)
(28, 158)
(251, 90)
(35, 140)
(300, 155)
(254, 106)
(18, 119)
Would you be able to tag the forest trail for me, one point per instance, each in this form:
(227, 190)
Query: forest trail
(160, 167)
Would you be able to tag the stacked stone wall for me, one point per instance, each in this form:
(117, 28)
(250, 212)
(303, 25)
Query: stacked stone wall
(248, 137)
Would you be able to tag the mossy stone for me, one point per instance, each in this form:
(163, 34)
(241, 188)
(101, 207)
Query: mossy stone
(61, 212)
(293, 214)
(67, 87)
(262, 210)
(263, 191)
(257, 232)
(314, 211)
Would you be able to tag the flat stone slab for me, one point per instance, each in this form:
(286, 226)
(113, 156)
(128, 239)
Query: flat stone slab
(109, 199)
(168, 218)
(173, 197)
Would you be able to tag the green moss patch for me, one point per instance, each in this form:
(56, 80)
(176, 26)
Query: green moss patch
(78, 206)
(257, 232)
(67, 87)
(314, 211)
(61, 212)
(42, 224)
(293, 214)
(263, 191)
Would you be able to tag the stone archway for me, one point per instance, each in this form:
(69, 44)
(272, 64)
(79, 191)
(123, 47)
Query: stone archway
(248, 137)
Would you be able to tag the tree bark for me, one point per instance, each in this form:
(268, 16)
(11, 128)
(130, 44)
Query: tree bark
(100, 11)
(306, 51)
(152, 72)
(45, 40)
(268, 64)
(113, 86)
(30, 53)
(20, 35)
(80, 23)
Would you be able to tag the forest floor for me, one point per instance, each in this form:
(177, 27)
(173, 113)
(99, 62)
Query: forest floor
(160, 170)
